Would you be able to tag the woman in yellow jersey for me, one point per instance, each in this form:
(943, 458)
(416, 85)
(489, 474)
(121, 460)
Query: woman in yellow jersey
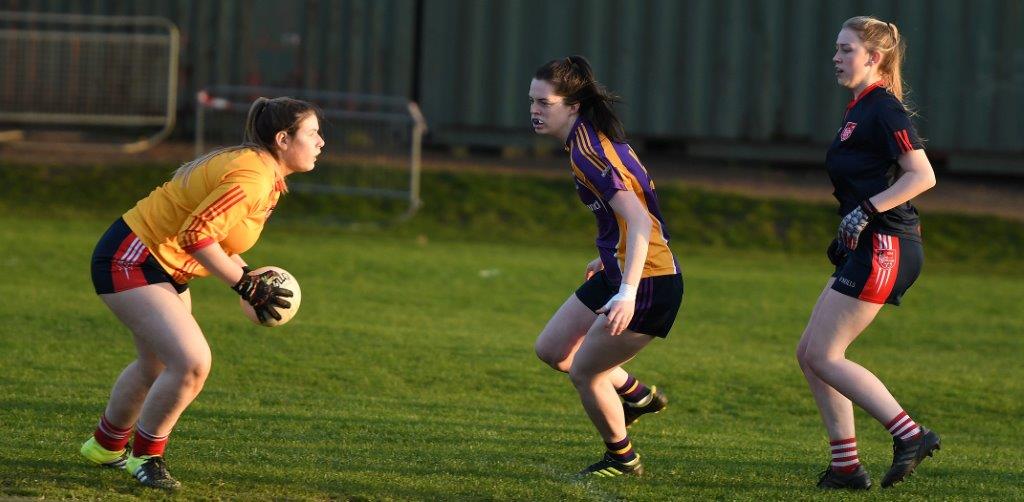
(633, 290)
(196, 224)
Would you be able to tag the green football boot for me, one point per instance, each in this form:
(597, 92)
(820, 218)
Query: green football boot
(97, 454)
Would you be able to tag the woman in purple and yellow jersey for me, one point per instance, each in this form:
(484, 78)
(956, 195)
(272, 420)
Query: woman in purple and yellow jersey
(196, 224)
(633, 290)
(876, 164)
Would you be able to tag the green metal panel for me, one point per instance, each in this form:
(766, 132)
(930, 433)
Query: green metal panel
(1008, 127)
(729, 71)
(946, 44)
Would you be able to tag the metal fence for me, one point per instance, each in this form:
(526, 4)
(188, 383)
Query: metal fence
(700, 73)
(87, 72)
(379, 131)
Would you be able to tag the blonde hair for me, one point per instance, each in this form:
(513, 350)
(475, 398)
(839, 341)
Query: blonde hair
(265, 119)
(883, 37)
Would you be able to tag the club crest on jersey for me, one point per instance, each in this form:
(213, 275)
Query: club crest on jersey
(886, 258)
(847, 131)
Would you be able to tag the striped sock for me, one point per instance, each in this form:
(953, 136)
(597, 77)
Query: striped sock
(844, 455)
(147, 444)
(903, 427)
(621, 451)
(634, 392)
(110, 436)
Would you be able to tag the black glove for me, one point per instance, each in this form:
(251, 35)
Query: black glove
(836, 252)
(262, 294)
(854, 223)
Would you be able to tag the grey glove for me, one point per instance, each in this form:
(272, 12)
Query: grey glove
(854, 223)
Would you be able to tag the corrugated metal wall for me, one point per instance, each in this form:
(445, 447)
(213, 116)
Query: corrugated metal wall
(356, 45)
(731, 70)
(748, 70)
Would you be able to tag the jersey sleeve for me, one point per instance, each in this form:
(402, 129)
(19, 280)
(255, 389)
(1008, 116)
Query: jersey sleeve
(234, 198)
(898, 132)
(599, 172)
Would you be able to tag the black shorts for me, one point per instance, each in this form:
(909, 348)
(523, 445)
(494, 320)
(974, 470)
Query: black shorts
(881, 269)
(657, 301)
(121, 262)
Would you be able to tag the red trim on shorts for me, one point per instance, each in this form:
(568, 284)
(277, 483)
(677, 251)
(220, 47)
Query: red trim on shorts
(125, 270)
(885, 266)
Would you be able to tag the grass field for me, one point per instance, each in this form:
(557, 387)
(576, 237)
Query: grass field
(409, 374)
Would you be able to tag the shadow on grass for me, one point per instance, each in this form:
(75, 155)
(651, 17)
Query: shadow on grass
(68, 476)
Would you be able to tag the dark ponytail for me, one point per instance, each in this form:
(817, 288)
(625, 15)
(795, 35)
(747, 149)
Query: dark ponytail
(574, 80)
(268, 116)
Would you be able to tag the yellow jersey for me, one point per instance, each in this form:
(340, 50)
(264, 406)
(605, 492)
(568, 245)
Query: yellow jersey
(225, 200)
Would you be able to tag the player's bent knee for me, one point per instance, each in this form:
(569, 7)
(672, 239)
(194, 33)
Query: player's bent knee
(801, 355)
(562, 365)
(818, 361)
(581, 375)
(194, 373)
(556, 360)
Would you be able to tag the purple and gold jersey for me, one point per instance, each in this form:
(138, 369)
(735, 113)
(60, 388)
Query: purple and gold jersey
(602, 168)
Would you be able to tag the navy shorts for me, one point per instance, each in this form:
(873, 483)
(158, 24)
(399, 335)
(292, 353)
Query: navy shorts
(121, 262)
(657, 301)
(881, 269)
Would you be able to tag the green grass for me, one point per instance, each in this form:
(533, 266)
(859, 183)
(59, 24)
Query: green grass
(525, 209)
(409, 374)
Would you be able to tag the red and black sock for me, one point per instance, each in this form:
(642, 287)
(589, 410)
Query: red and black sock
(110, 436)
(621, 451)
(844, 455)
(633, 391)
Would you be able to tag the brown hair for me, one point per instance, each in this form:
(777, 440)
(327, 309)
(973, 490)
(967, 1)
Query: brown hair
(883, 37)
(574, 80)
(266, 117)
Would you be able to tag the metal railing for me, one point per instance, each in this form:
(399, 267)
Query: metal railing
(86, 73)
(360, 125)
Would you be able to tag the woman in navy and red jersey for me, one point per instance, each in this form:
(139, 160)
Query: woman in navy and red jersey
(877, 164)
(196, 224)
(632, 291)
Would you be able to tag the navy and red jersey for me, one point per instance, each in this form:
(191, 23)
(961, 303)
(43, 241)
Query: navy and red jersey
(862, 160)
(603, 168)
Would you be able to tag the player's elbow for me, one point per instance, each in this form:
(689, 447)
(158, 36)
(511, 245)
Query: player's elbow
(925, 181)
(930, 180)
